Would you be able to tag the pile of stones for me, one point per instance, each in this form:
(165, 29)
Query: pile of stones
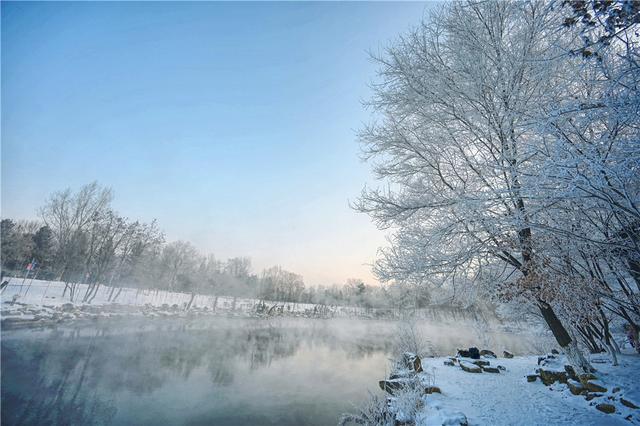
(473, 360)
(551, 369)
(406, 376)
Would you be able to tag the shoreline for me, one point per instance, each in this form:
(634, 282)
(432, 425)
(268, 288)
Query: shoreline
(499, 391)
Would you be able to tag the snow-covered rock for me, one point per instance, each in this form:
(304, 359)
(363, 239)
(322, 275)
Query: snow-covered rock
(469, 367)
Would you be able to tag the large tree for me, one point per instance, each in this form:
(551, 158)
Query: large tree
(44, 250)
(456, 140)
(71, 217)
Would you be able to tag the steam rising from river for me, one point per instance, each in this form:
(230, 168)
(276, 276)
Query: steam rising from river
(217, 370)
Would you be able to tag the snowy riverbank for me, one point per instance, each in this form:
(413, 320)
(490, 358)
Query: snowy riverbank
(25, 301)
(489, 397)
(42, 302)
(502, 394)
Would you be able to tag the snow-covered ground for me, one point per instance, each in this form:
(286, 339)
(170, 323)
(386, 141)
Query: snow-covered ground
(39, 292)
(500, 394)
(32, 299)
(506, 398)
(25, 300)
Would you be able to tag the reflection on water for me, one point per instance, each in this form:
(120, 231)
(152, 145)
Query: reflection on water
(204, 372)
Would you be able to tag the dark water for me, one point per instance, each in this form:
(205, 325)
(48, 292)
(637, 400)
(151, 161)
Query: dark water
(197, 372)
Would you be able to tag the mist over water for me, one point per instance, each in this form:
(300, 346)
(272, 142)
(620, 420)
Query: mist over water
(210, 371)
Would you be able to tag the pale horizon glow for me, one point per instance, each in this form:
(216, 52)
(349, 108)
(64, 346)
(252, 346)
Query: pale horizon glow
(232, 124)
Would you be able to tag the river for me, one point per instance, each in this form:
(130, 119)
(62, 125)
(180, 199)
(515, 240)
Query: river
(215, 371)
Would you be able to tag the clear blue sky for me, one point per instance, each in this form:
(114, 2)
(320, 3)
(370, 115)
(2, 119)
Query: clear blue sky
(233, 124)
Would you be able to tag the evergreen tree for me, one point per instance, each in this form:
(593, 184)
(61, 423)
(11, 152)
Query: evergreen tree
(43, 250)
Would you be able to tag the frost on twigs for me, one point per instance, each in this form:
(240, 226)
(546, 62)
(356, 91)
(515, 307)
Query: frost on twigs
(509, 166)
(374, 411)
(408, 388)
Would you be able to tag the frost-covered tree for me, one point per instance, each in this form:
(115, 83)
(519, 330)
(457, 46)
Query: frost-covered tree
(70, 215)
(238, 267)
(592, 164)
(179, 260)
(278, 284)
(457, 139)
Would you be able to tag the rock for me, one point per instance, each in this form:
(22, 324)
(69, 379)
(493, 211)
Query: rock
(615, 390)
(585, 377)
(412, 362)
(481, 363)
(606, 408)
(488, 353)
(469, 367)
(589, 396)
(401, 375)
(507, 354)
(488, 369)
(546, 359)
(532, 378)
(67, 307)
(555, 352)
(571, 373)
(628, 403)
(448, 363)
(472, 353)
(393, 385)
(439, 416)
(594, 386)
(455, 419)
(502, 367)
(549, 377)
(576, 387)
(432, 389)
(388, 386)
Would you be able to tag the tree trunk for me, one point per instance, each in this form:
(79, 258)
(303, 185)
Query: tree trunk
(193, 296)
(113, 289)
(88, 292)
(612, 353)
(634, 270)
(93, 295)
(616, 348)
(568, 345)
(117, 294)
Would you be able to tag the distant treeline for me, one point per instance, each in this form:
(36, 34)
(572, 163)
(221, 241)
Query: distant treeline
(81, 239)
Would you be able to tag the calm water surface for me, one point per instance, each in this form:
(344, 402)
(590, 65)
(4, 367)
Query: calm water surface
(203, 371)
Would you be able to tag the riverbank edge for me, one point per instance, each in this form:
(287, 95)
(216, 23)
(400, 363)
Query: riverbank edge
(463, 391)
